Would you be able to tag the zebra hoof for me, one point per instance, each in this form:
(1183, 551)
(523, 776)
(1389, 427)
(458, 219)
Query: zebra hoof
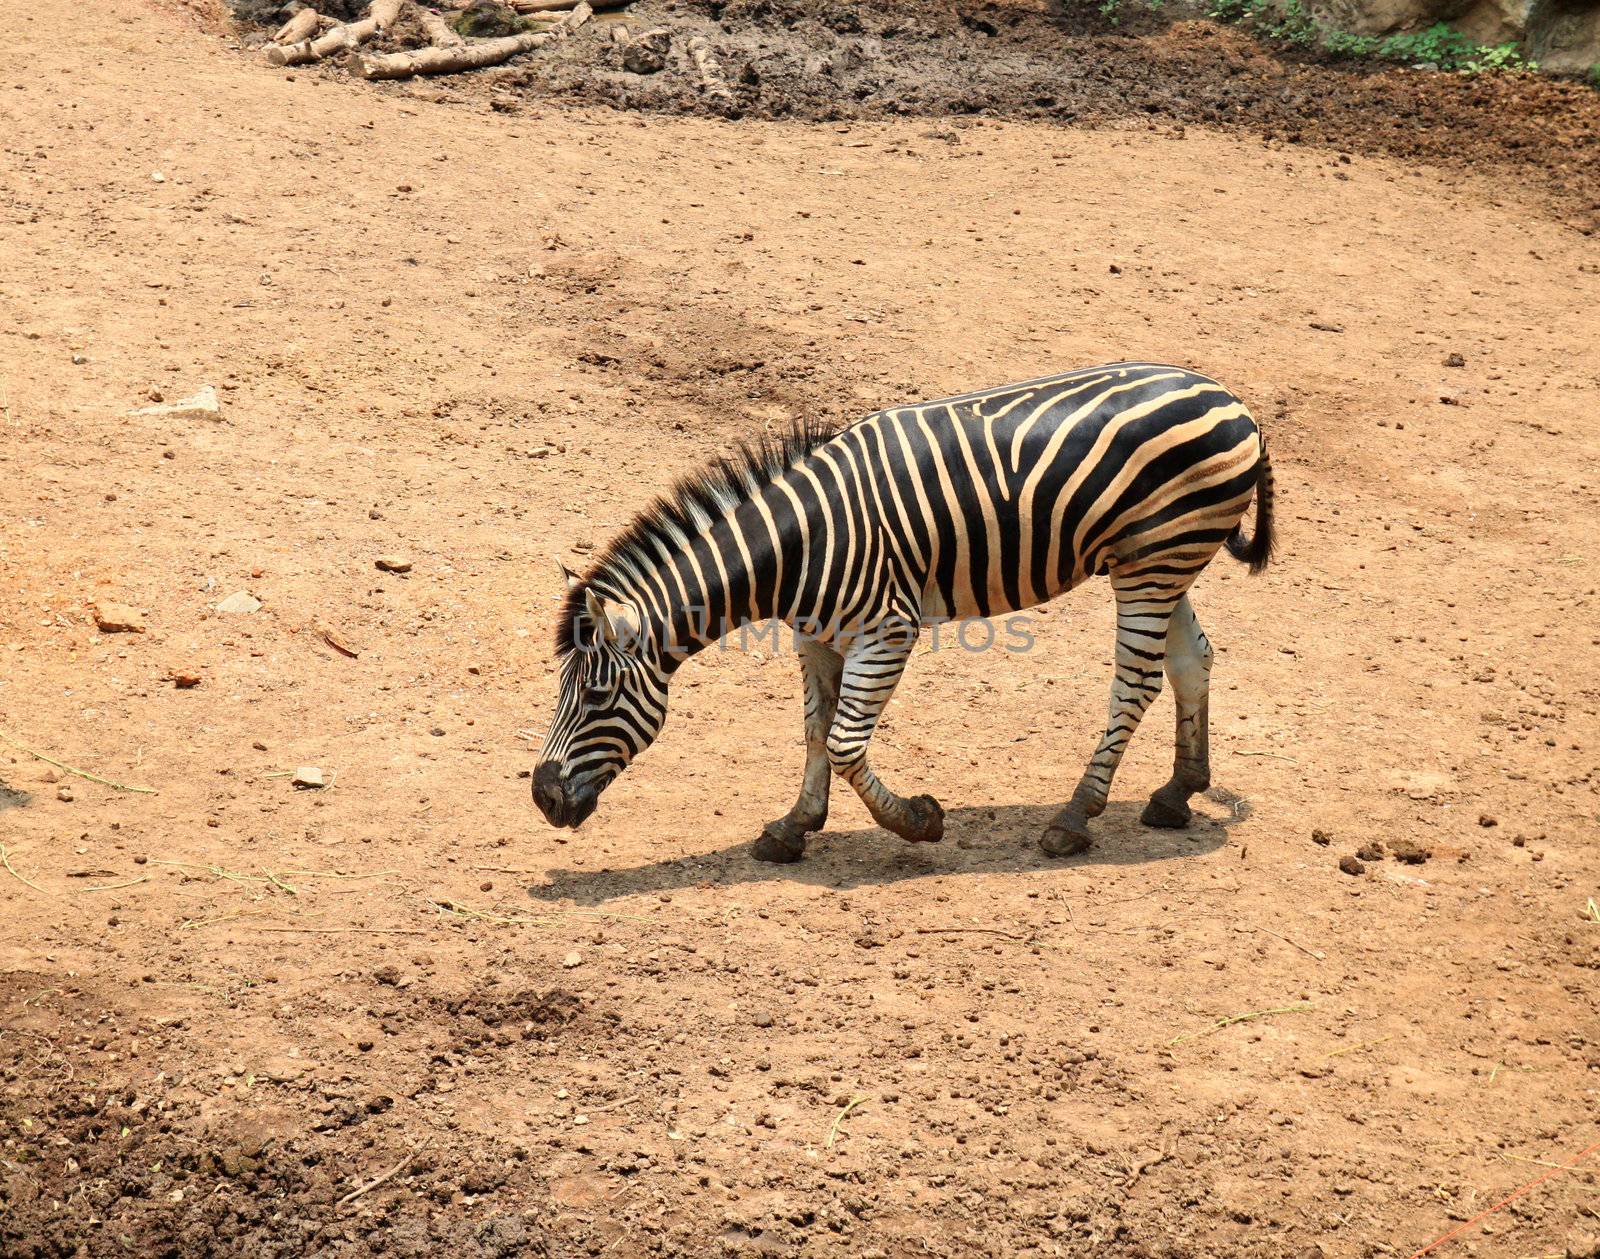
(1165, 814)
(925, 821)
(1063, 841)
(779, 844)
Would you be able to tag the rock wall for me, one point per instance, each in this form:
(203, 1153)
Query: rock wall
(1563, 36)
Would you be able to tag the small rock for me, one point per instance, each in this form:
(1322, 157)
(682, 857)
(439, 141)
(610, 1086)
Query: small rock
(64, 794)
(1409, 852)
(78, 360)
(572, 959)
(648, 53)
(1371, 852)
(240, 601)
(259, 746)
(1114, 269)
(201, 406)
(1454, 360)
(1486, 820)
(1327, 327)
(156, 177)
(1322, 837)
(763, 1019)
(117, 618)
(185, 681)
(393, 564)
(308, 776)
(1352, 865)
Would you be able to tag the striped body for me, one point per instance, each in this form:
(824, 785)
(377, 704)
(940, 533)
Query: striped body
(975, 505)
(994, 501)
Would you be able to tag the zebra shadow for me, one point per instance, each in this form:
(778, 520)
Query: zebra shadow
(979, 839)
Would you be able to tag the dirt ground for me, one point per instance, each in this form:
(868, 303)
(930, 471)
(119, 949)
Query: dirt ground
(474, 340)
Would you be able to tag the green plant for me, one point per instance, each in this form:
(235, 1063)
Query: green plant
(1449, 49)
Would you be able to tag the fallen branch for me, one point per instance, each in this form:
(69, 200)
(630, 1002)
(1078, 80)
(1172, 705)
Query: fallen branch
(380, 16)
(475, 56)
(440, 33)
(302, 26)
(712, 82)
(81, 773)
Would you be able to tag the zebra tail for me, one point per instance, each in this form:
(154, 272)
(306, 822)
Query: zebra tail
(1256, 550)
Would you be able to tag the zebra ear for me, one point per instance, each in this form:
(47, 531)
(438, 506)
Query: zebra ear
(571, 578)
(613, 620)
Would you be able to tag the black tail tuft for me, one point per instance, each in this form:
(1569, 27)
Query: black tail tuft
(1257, 549)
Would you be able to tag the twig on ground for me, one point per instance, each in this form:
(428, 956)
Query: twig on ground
(1239, 1018)
(1505, 1202)
(838, 1119)
(1350, 1049)
(382, 1179)
(1316, 953)
(81, 773)
(384, 931)
(5, 859)
(994, 931)
(621, 1101)
(112, 887)
(1139, 1168)
(1277, 756)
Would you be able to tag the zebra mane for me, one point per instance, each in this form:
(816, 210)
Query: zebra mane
(691, 506)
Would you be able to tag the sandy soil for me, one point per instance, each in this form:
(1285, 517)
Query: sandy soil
(476, 341)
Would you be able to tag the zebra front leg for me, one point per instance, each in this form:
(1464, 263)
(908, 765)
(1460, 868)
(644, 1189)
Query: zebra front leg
(785, 839)
(1142, 618)
(1189, 668)
(872, 669)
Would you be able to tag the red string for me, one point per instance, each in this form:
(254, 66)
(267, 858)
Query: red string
(1506, 1201)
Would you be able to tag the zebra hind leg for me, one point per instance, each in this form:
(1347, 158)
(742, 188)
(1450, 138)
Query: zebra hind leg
(785, 839)
(1189, 670)
(872, 669)
(1144, 609)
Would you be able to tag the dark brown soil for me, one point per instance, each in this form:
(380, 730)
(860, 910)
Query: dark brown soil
(830, 60)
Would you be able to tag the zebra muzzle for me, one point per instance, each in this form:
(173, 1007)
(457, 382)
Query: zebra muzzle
(562, 803)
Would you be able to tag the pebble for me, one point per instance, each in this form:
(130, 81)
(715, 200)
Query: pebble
(572, 959)
(1321, 837)
(64, 794)
(393, 564)
(1352, 865)
(763, 1019)
(308, 776)
(1454, 360)
(185, 681)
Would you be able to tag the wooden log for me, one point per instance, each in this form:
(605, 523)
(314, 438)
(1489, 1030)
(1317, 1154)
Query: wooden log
(303, 25)
(440, 33)
(558, 6)
(380, 16)
(712, 82)
(473, 56)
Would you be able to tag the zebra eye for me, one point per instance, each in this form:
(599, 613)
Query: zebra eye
(595, 696)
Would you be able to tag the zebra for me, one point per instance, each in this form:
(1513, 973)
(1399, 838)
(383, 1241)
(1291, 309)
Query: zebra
(969, 506)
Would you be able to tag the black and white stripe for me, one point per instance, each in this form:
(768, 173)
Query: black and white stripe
(971, 506)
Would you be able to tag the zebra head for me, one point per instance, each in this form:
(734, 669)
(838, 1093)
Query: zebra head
(611, 705)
